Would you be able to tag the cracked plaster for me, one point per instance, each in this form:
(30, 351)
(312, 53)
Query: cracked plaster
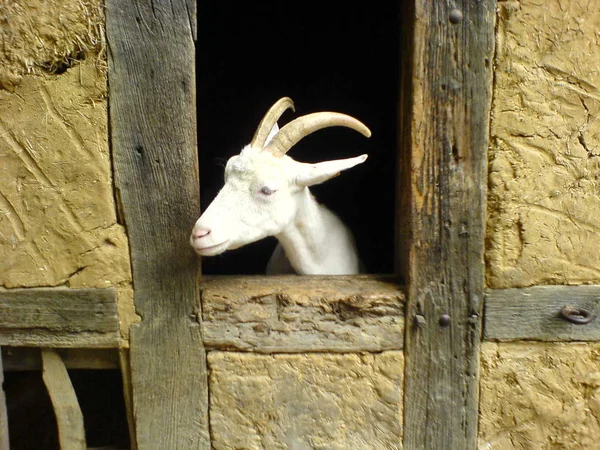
(306, 401)
(540, 396)
(58, 223)
(544, 172)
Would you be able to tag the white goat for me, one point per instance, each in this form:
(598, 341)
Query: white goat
(266, 194)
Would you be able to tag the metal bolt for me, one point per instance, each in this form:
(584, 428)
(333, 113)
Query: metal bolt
(444, 320)
(455, 16)
(575, 315)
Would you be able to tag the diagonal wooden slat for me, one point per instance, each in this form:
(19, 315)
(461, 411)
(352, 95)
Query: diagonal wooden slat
(69, 418)
(4, 439)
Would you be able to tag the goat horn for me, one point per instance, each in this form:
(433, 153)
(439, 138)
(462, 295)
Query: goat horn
(270, 119)
(301, 127)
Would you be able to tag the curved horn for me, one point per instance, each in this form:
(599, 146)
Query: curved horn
(301, 127)
(270, 119)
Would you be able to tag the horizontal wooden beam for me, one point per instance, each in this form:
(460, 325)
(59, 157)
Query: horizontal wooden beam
(59, 317)
(534, 313)
(288, 314)
(18, 359)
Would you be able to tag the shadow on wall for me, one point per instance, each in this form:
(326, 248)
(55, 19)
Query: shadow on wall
(328, 57)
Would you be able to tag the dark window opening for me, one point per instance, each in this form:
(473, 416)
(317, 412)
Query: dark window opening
(328, 57)
(31, 419)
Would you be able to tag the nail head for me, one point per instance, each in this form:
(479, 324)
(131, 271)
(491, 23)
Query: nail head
(455, 16)
(444, 320)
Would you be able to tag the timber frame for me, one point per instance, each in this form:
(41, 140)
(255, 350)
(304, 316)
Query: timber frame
(84, 320)
(435, 307)
(445, 131)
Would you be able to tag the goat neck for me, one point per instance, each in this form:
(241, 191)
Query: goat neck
(316, 241)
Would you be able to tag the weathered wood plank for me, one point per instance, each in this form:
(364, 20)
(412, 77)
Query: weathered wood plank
(290, 314)
(447, 135)
(27, 358)
(534, 313)
(4, 438)
(125, 363)
(59, 317)
(153, 133)
(69, 418)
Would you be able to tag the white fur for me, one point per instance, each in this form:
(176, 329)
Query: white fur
(312, 240)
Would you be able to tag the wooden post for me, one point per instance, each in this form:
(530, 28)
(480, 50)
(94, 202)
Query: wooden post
(69, 418)
(153, 133)
(445, 127)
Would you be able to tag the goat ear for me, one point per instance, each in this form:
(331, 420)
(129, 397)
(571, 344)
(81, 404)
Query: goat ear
(311, 174)
(272, 133)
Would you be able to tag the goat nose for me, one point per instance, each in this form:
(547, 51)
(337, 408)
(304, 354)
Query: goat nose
(201, 232)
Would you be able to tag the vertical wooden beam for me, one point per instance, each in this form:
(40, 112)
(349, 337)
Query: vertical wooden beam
(152, 102)
(448, 133)
(69, 418)
(125, 365)
(4, 441)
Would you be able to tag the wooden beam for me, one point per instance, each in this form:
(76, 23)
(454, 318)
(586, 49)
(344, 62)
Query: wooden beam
(59, 317)
(69, 418)
(125, 364)
(447, 136)
(26, 358)
(291, 314)
(534, 313)
(152, 101)
(4, 438)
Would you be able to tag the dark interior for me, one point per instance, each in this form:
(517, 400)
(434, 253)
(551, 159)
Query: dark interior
(31, 419)
(328, 56)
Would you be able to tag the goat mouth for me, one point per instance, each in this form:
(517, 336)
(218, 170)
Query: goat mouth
(211, 249)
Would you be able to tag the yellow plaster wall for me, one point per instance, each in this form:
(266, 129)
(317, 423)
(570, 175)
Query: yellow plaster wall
(544, 169)
(58, 223)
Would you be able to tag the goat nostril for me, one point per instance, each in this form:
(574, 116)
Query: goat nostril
(201, 232)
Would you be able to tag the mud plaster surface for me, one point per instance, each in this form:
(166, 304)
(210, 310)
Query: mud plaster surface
(58, 222)
(544, 180)
(310, 401)
(540, 396)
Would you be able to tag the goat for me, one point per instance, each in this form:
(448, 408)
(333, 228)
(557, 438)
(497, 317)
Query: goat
(266, 193)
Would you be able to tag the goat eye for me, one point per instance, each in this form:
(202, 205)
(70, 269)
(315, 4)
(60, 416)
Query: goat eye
(265, 190)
